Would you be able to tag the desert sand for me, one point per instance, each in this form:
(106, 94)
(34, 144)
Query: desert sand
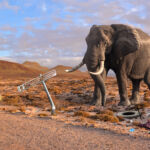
(19, 132)
(27, 123)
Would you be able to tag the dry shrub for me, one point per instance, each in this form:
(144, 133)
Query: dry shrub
(86, 120)
(146, 98)
(22, 108)
(42, 114)
(61, 108)
(1, 98)
(136, 123)
(13, 111)
(91, 121)
(80, 119)
(57, 90)
(120, 118)
(82, 113)
(112, 93)
(30, 97)
(3, 109)
(142, 105)
(105, 117)
(146, 104)
(107, 112)
(77, 92)
(12, 100)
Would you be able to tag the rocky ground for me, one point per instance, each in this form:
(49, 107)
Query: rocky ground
(21, 132)
(71, 97)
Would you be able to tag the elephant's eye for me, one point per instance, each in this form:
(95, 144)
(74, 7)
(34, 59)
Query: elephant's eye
(98, 45)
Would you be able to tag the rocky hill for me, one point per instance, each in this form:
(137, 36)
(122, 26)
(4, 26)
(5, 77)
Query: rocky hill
(32, 69)
(35, 65)
(15, 70)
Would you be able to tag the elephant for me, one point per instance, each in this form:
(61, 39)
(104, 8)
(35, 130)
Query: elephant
(125, 50)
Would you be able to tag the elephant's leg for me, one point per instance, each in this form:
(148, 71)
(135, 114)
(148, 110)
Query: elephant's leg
(147, 78)
(135, 92)
(122, 85)
(99, 91)
(96, 96)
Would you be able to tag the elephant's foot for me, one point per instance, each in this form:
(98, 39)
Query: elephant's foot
(96, 102)
(124, 103)
(135, 99)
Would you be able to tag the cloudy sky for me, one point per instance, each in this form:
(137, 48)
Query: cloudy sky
(53, 32)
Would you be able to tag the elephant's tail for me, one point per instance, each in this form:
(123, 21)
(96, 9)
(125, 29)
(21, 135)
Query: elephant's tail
(75, 68)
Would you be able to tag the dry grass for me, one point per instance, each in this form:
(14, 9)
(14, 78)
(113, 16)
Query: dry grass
(22, 108)
(108, 112)
(43, 114)
(120, 118)
(143, 105)
(82, 113)
(136, 123)
(3, 109)
(13, 111)
(57, 90)
(147, 96)
(105, 117)
(77, 92)
(1, 98)
(88, 121)
(12, 100)
(80, 119)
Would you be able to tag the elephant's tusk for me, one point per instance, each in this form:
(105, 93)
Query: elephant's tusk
(75, 68)
(100, 69)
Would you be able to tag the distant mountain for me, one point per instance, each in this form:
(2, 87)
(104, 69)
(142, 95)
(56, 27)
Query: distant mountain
(35, 65)
(12, 70)
(15, 70)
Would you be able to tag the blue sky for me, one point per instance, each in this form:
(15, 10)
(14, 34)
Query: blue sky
(53, 32)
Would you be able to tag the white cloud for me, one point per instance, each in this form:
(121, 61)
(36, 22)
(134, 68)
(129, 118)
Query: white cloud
(5, 5)
(44, 7)
(8, 59)
(61, 39)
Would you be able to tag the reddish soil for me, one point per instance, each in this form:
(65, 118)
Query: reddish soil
(29, 113)
(19, 132)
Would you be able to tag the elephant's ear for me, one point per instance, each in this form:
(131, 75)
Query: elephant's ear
(126, 40)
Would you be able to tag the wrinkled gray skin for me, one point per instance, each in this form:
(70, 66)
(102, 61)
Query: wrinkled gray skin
(125, 50)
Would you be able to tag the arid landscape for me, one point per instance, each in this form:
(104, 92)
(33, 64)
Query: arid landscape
(71, 94)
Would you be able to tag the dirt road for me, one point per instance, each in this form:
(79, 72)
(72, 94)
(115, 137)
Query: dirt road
(19, 132)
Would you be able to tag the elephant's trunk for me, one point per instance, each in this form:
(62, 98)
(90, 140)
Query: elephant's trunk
(75, 68)
(95, 66)
(100, 82)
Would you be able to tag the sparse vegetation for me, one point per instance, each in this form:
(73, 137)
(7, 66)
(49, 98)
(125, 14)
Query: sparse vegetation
(81, 113)
(143, 105)
(108, 112)
(136, 123)
(70, 96)
(22, 108)
(105, 117)
(120, 118)
(12, 100)
(42, 114)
